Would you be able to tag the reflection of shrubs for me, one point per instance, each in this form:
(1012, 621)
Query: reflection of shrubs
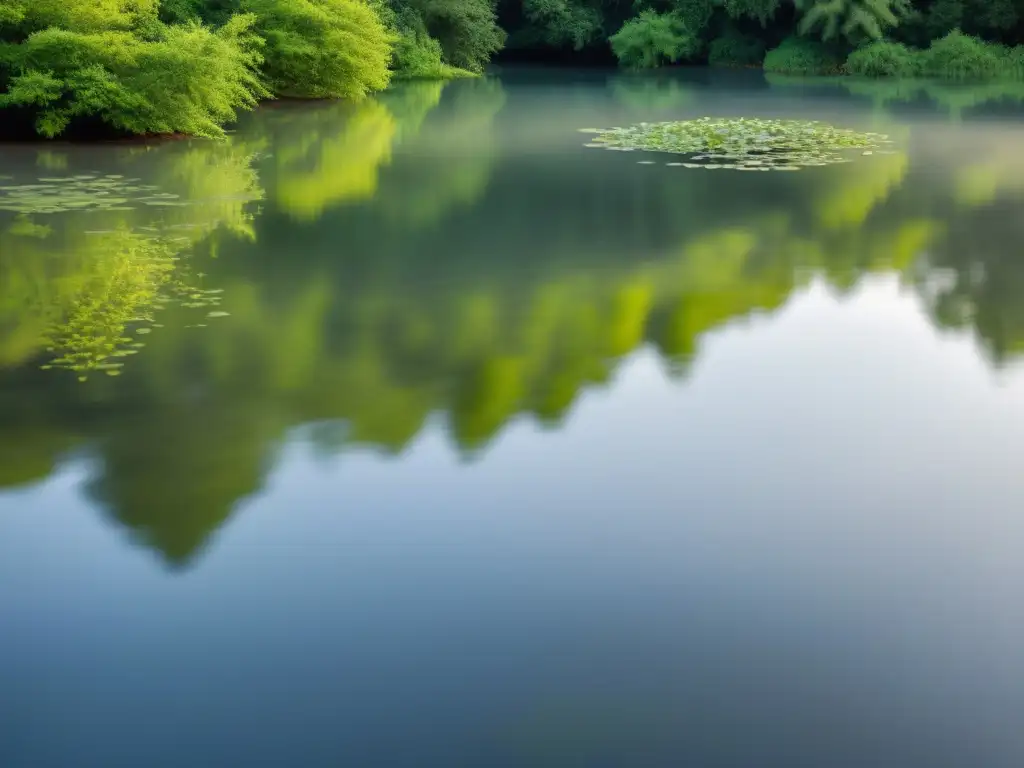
(653, 39)
(645, 93)
(883, 59)
(327, 156)
(800, 56)
(735, 49)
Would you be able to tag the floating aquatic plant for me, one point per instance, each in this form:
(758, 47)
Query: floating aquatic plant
(106, 316)
(85, 192)
(744, 144)
(143, 278)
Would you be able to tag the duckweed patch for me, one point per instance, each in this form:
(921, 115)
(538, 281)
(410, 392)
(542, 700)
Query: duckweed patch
(745, 144)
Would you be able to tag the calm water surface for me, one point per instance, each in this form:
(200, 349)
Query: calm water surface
(415, 433)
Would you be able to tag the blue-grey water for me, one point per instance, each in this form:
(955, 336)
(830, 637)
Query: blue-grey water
(416, 433)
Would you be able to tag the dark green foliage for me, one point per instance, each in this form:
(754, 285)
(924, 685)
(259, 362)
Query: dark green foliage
(735, 49)
(761, 10)
(467, 30)
(417, 55)
(955, 56)
(322, 48)
(180, 11)
(652, 39)
(883, 59)
(564, 23)
(971, 16)
(694, 14)
(853, 19)
(960, 56)
(801, 56)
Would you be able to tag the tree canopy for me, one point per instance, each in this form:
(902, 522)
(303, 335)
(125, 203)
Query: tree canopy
(190, 66)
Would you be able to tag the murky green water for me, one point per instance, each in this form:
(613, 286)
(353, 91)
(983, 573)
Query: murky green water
(417, 433)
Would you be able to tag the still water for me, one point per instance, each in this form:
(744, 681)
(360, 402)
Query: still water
(416, 433)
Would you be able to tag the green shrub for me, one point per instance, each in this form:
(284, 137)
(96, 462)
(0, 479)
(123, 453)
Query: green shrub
(467, 30)
(1015, 60)
(734, 49)
(179, 79)
(884, 59)
(652, 39)
(415, 55)
(960, 56)
(800, 56)
(80, 15)
(418, 56)
(323, 48)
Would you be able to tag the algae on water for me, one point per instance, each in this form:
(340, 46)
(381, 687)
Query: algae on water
(744, 144)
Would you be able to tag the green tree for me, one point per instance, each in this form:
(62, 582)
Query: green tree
(653, 39)
(115, 64)
(322, 48)
(564, 22)
(853, 19)
(466, 29)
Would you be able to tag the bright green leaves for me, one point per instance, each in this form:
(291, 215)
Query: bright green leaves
(322, 48)
(653, 39)
(115, 63)
(12, 12)
(79, 15)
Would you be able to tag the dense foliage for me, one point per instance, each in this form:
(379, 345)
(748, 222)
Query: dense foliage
(116, 64)
(189, 66)
(653, 39)
(802, 56)
(322, 48)
(736, 49)
(883, 59)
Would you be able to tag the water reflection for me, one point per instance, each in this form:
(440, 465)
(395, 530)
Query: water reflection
(365, 267)
(956, 100)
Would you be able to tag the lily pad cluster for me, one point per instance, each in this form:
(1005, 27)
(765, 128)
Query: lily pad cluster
(87, 192)
(744, 144)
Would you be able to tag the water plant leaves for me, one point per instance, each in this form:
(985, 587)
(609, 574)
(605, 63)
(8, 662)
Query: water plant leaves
(748, 144)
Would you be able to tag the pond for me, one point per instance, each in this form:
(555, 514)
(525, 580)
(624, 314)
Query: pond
(417, 433)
